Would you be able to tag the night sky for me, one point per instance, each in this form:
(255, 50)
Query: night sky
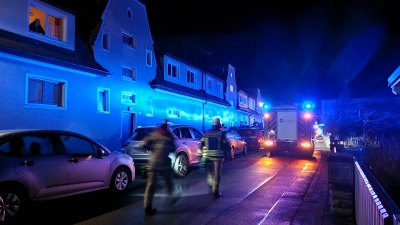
(292, 51)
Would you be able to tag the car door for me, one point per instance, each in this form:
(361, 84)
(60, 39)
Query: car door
(231, 138)
(197, 135)
(38, 161)
(239, 142)
(86, 170)
(190, 142)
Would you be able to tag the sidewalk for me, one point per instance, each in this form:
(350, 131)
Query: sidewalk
(315, 208)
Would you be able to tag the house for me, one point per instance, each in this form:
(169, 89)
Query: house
(103, 81)
(186, 94)
(124, 46)
(394, 81)
(52, 79)
(246, 106)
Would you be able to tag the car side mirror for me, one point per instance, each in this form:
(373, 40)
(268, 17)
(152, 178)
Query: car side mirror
(100, 153)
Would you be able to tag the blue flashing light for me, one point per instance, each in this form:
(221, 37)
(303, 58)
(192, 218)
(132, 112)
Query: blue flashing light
(308, 105)
(266, 106)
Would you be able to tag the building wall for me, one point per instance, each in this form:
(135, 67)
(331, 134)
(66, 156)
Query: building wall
(79, 114)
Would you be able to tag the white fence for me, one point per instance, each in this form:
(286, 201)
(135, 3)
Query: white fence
(373, 206)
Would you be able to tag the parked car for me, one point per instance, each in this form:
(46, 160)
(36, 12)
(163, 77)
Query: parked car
(187, 139)
(49, 164)
(253, 137)
(237, 143)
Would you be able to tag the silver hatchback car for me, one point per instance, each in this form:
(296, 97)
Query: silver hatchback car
(48, 164)
(187, 140)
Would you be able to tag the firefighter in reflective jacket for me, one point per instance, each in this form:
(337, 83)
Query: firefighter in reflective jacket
(212, 149)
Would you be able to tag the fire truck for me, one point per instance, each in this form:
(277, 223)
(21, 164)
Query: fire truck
(289, 129)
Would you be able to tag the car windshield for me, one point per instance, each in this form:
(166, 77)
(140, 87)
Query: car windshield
(140, 133)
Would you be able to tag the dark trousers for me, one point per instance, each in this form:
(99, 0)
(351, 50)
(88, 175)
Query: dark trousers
(214, 174)
(152, 183)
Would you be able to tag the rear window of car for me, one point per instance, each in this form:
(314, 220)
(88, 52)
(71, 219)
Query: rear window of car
(246, 132)
(140, 133)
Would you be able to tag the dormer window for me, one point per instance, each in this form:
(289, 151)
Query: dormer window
(209, 84)
(172, 71)
(48, 24)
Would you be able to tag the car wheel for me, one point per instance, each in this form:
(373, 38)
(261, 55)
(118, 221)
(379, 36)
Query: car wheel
(12, 204)
(181, 165)
(244, 150)
(120, 179)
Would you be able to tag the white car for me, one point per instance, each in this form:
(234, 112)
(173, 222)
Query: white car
(49, 164)
(187, 140)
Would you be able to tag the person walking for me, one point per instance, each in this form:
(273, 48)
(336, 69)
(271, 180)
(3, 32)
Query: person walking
(161, 143)
(212, 149)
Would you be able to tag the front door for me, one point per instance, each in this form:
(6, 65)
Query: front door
(127, 126)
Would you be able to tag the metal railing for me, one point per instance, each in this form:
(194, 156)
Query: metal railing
(372, 204)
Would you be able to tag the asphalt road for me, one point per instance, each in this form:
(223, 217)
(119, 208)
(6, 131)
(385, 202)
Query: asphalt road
(255, 189)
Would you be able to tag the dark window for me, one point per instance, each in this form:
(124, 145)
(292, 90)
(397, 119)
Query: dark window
(36, 145)
(75, 145)
(197, 134)
(177, 132)
(185, 132)
(140, 133)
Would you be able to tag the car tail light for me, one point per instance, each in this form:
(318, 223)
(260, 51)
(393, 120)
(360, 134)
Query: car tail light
(269, 143)
(305, 144)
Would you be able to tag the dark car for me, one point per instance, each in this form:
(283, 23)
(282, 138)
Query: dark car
(236, 142)
(253, 137)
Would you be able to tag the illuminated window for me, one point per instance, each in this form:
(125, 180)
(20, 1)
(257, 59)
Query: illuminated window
(128, 98)
(106, 41)
(173, 113)
(129, 40)
(45, 92)
(231, 88)
(190, 76)
(103, 100)
(44, 23)
(149, 58)
(129, 73)
(172, 71)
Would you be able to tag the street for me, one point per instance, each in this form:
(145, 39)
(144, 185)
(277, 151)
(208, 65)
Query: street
(256, 189)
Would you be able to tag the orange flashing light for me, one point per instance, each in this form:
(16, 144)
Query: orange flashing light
(307, 115)
(266, 115)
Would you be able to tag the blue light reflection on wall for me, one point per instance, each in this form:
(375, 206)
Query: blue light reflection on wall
(162, 105)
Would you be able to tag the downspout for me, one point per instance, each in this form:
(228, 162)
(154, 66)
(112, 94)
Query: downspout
(204, 103)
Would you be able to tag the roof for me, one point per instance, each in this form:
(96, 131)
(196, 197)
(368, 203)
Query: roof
(159, 83)
(80, 59)
(247, 110)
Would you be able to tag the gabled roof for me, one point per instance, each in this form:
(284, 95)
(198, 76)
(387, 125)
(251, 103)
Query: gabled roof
(80, 59)
(159, 83)
(247, 110)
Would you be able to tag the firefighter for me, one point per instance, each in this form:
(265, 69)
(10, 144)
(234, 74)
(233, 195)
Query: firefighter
(212, 149)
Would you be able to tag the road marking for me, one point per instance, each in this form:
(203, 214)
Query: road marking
(276, 203)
